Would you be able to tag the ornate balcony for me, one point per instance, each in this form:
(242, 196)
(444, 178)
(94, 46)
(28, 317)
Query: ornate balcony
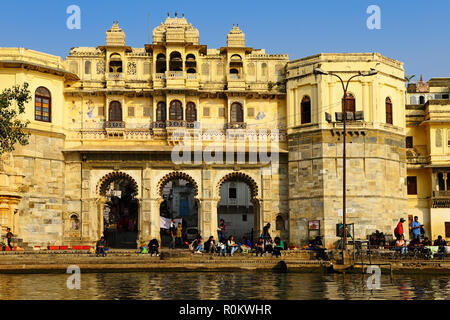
(115, 124)
(158, 125)
(441, 199)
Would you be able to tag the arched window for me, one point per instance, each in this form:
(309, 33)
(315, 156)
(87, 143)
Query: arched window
(191, 112)
(191, 70)
(237, 112)
(87, 67)
(388, 110)
(161, 63)
(42, 104)
(349, 103)
(306, 110)
(115, 63)
(161, 112)
(441, 181)
(264, 69)
(422, 100)
(115, 111)
(176, 62)
(175, 110)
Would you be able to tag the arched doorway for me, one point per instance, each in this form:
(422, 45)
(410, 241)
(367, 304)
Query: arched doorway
(178, 192)
(239, 207)
(119, 210)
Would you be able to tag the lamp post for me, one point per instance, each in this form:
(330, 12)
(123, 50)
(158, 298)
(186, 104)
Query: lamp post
(344, 111)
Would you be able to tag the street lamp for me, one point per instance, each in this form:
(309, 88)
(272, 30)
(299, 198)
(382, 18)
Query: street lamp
(371, 72)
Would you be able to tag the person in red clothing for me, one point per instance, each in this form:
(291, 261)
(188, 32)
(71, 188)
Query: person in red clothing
(398, 231)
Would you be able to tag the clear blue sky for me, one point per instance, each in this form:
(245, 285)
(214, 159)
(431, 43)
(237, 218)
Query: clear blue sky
(414, 32)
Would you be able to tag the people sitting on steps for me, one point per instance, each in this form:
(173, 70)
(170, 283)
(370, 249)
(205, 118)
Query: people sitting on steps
(100, 247)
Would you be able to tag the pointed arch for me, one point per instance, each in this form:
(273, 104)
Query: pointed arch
(175, 176)
(107, 179)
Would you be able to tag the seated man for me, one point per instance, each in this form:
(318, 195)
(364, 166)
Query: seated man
(426, 242)
(210, 245)
(278, 247)
(400, 245)
(441, 243)
(317, 246)
(100, 247)
(153, 246)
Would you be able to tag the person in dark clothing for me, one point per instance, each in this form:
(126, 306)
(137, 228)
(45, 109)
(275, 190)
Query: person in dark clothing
(9, 236)
(317, 247)
(210, 245)
(173, 233)
(441, 243)
(222, 230)
(259, 246)
(153, 246)
(278, 246)
(100, 247)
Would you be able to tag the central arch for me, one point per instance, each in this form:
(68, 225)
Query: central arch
(118, 210)
(241, 209)
(178, 193)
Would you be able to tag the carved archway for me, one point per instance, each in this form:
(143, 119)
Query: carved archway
(129, 192)
(253, 194)
(242, 177)
(104, 182)
(174, 176)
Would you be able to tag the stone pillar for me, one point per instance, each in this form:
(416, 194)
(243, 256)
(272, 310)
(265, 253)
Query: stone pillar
(155, 219)
(145, 209)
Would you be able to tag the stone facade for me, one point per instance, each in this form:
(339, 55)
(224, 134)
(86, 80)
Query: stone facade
(116, 112)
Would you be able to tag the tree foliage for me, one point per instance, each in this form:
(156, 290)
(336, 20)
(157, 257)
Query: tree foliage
(12, 104)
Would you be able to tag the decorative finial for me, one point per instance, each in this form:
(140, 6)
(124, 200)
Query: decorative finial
(421, 79)
(175, 13)
(183, 14)
(168, 14)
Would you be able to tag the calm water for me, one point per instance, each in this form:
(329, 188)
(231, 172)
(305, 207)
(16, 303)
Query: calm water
(203, 286)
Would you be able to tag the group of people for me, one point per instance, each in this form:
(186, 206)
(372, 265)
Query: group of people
(225, 244)
(416, 244)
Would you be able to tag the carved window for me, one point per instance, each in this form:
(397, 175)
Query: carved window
(161, 111)
(237, 112)
(42, 104)
(100, 67)
(146, 67)
(115, 111)
(264, 69)
(388, 110)
(411, 183)
(87, 67)
(305, 110)
(205, 69)
(191, 112)
(131, 68)
(175, 110)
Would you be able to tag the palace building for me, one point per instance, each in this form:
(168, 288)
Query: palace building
(109, 122)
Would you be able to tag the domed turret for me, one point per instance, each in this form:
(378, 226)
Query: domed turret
(176, 30)
(115, 36)
(236, 38)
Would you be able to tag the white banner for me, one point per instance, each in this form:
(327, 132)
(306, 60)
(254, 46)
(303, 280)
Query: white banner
(164, 223)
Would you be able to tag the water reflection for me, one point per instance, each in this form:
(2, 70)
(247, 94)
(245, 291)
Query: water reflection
(223, 285)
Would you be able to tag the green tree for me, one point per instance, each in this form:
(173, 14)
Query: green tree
(12, 104)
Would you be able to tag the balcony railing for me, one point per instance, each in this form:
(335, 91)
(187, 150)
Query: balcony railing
(191, 76)
(160, 76)
(158, 125)
(114, 76)
(175, 74)
(115, 124)
(236, 125)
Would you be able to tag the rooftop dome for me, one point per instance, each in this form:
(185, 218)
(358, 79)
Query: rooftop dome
(175, 30)
(115, 36)
(236, 38)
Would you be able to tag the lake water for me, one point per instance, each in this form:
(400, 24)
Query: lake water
(222, 285)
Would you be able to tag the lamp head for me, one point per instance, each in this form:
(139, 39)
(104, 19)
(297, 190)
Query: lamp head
(319, 71)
